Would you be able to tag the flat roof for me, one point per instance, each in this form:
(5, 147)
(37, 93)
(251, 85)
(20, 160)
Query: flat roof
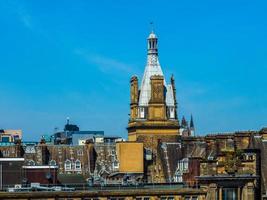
(11, 159)
(40, 167)
(116, 192)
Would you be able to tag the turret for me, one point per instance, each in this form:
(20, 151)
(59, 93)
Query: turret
(152, 44)
(174, 96)
(192, 127)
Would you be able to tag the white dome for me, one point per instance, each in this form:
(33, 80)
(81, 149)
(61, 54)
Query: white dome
(152, 35)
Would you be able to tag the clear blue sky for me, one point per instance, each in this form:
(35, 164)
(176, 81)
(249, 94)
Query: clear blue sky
(75, 58)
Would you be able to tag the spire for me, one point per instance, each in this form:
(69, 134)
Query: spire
(152, 27)
(192, 123)
(184, 123)
(192, 127)
(152, 68)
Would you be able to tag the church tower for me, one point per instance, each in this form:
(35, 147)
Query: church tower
(153, 116)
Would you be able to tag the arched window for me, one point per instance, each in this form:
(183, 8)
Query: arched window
(67, 165)
(78, 165)
(171, 113)
(52, 163)
(31, 163)
(141, 112)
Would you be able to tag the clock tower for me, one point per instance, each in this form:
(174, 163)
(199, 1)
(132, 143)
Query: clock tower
(153, 116)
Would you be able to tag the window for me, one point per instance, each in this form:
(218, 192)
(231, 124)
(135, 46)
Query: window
(87, 198)
(183, 165)
(186, 164)
(178, 178)
(80, 152)
(142, 112)
(78, 166)
(16, 137)
(142, 198)
(52, 163)
(171, 113)
(67, 165)
(12, 150)
(116, 198)
(113, 158)
(229, 194)
(116, 164)
(5, 139)
(5, 153)
(167, 198)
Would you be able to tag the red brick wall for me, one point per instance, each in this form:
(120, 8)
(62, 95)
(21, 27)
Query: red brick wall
(39, 176)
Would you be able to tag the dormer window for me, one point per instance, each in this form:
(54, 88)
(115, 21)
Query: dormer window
(78, 165)
(67, 165)
(52, 163)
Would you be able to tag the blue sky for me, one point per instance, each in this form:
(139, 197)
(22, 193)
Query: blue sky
(74, 59)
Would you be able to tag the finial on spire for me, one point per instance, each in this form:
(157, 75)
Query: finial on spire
(152, 34)
(152, 27)
(172, 78)
(192, 126)
(152, 41)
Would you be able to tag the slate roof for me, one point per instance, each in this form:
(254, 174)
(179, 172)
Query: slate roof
(170, 154)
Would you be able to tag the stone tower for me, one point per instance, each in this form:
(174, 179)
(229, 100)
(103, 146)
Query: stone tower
(153, 116)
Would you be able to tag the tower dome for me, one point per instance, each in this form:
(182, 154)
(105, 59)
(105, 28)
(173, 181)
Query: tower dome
(152, 35)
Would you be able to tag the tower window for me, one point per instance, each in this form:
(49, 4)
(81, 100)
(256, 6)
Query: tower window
(171, 113)
(142, 112)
